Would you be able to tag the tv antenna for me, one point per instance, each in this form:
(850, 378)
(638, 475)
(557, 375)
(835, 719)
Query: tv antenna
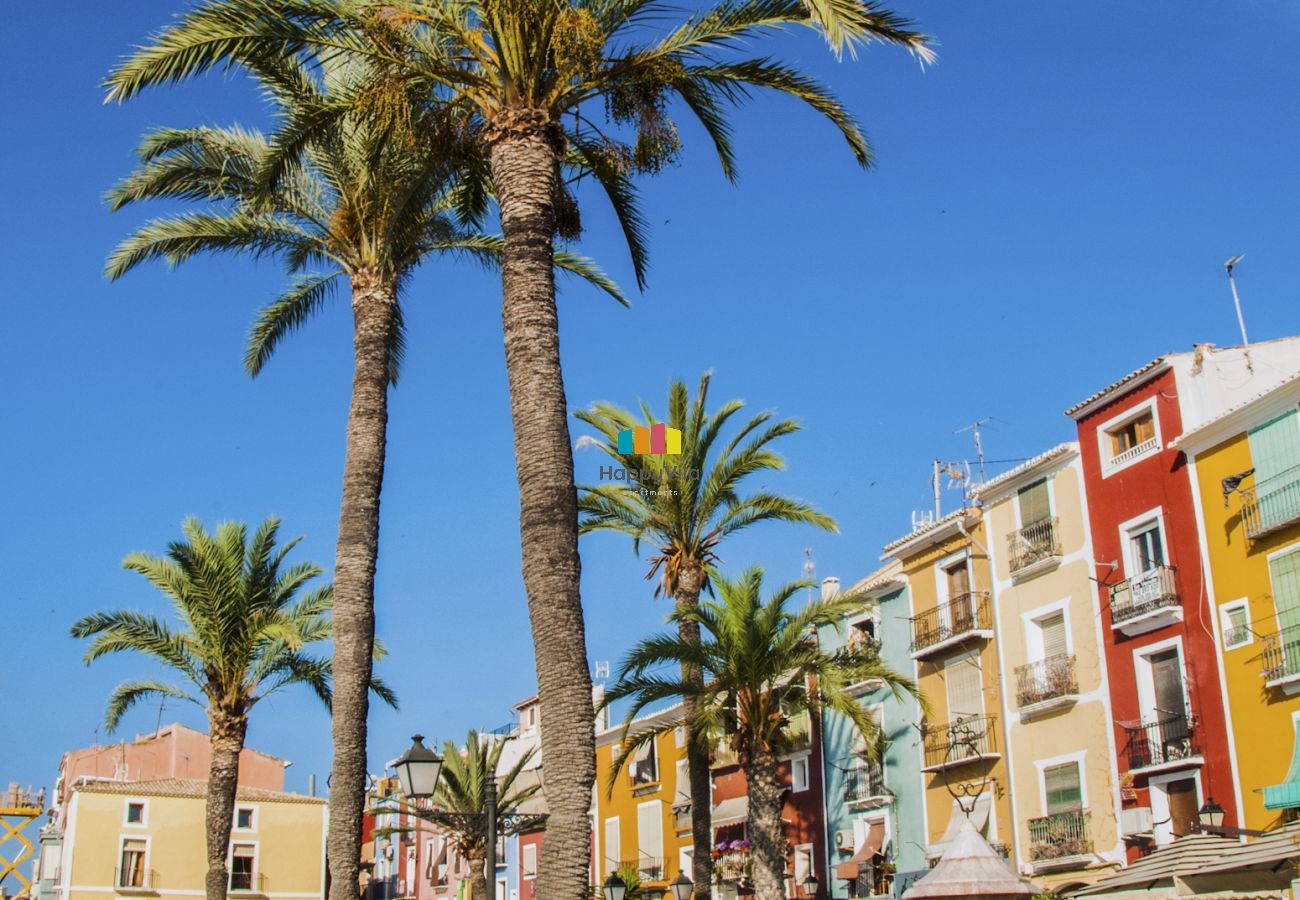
(809, 570)
(1229, 265)
(974, 428)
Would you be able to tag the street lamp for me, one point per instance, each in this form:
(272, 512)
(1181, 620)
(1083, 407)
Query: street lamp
(810, 885)
(614, 888)
(418, 769)
(682, 887)
(1211, 814)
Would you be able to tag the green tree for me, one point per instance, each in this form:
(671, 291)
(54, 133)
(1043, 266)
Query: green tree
(763, 670)
(366, 203)
(527, 85)
(241, 637)
(687, 507)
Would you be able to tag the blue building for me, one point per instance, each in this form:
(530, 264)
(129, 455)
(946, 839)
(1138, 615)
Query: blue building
(875, 811)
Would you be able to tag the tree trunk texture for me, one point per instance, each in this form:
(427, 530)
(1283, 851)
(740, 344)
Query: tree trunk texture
(227, 737)
(373, 308)
(525, 169)
(478, 876)
(766, 836)
(689, 581)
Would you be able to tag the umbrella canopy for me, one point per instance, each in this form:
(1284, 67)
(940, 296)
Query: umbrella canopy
(971, 868)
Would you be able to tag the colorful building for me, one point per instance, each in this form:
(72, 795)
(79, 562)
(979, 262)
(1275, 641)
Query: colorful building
(1060, 750)
(875, 819)
(148, 838)
(1246, 465)
(963, 761)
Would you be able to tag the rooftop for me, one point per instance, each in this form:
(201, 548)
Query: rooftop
(992, 485)
(187, 788)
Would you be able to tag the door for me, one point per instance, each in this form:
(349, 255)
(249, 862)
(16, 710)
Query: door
(1172, 730)
(1183, 806)
(961, 609)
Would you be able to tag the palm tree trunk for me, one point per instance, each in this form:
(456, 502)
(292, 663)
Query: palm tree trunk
(766, 836)
(525, 169)
(373, 306)
(689, 581)
(227, 740)
(478, 876)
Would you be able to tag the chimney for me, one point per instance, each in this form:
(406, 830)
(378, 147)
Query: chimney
(830, 587)
(311, 785)
(602, 713)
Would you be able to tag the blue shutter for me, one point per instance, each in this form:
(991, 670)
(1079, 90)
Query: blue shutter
(1275, 446)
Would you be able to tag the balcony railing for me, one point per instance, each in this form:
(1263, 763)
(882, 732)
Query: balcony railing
(1272, 503)
(964, 739)
(255, 883)
(1281, 656)
(1047, 679)
(1152, 590)
(1034, 543)
(647, 868)
(1134, 452)
(862, 641)
(864, 780)
(964, 614)
(1059, 836)
(133, 879)
(1169, 739)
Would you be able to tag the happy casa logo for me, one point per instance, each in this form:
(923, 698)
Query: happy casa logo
(654, 440)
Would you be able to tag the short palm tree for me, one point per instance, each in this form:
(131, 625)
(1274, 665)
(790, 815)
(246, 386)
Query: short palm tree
(697, 500)
(763, 668)
(528, 84)
(242, 632)
(366, 203)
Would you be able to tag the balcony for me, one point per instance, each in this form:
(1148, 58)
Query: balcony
(133, 880)
(1168, 742)
(1046, 684)
(649, 869)
(965, 616)
(1034, 548)
(864, 783)
(1145, 602)
(1060, 841)
(1271, 504)
(1281, 660)
(966, 739)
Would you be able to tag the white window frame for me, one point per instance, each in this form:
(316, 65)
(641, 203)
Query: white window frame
(523, 853)
(941, 574)
(1042, 765)
(807, 851)
(1146, 685)
(1139, 523)
(121, 846)
(257, 865)
(1225, 622)
(1032, 624)
(1162, 827)
(1268, 563)
(234, 825)
(796, 763)
(144, 812)
(1118, 421)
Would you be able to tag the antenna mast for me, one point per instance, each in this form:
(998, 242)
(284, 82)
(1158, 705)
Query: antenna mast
(974, 427)
(809, 570)
(1236, 300)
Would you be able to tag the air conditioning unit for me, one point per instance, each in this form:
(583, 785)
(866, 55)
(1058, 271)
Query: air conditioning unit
(844, 841)
(1135, 821)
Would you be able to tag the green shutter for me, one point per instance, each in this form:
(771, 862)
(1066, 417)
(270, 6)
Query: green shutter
(1275, 446)
(1062, 788)
(1284, 571)
(1034, 505)
(1287, 794)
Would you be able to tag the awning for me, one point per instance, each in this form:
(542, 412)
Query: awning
(730, 811)
(848, 871)
(979, 817)
(1287, 794)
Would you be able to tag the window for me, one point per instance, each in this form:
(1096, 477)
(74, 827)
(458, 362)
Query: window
(242, 863)
(1034, 503)
(644, 768)
(1146, 547)
(1128, 437)
(1055, 642)
(1132, 434)
(862, 635)
(1234, 619)
(683, 782)
(131, 873)
(679, 736)
(612, 849)
(135, 811)
(965, 693)
(528, 861)
(244, 818)
(799, 774)
(1062, 788)
(650, 840)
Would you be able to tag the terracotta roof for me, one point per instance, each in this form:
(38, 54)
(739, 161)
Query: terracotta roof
(186, 787)
(992, 484)
(1112, 387)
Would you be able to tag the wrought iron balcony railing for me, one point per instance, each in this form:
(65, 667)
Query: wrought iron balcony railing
(1034, 543)
(647, 868)
(255, 883)
(1152, 590)
(1281, 656)
(962, 740)
(1058, 836)
(1047, 679)
(1272, 503)
(1169, 739)
(960, 616)
(133, 878)
(864, 780)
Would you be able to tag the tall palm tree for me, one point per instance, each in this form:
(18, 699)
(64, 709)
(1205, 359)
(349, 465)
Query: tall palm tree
(367, 202)
(763, 668)
(530, 84)
(241, 633)
(687, 507)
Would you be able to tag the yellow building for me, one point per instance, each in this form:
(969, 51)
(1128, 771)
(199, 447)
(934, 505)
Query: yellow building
(644, 821)
(963, 757)
(1246, 468)
(148, 839)
(1055, 703)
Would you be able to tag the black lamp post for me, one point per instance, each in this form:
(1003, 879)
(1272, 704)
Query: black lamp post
(682, 887)
(614, 888)
(1211, 814)
(810, 884)
(1210, 821)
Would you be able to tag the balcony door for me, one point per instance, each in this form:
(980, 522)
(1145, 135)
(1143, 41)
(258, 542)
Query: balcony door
(961, 611)
(1167, 682)
(1284, 575)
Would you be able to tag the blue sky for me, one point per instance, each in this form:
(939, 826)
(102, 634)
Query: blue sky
(1052, 205)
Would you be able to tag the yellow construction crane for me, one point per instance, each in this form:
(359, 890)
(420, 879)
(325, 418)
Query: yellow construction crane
(21, 808)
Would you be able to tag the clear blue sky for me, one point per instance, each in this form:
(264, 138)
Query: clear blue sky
(1053, 203)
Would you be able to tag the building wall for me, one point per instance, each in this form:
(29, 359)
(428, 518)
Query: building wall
(1077, 730)
(1158, 481)
(528, 886)
(289, 836)
(1262, 718)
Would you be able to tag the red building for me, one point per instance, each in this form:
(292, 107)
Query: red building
(1171, 733)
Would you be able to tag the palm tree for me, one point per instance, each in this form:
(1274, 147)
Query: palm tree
(688, 510)
(527, 85)
(242, 630)
(763, 668)
(367, 202)
(461, 789)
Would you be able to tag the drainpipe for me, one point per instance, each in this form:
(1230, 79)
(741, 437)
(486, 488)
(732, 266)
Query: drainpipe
(1002, 696)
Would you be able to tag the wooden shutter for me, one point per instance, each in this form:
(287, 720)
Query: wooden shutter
(1061, 784)
(650, 834)
(1054, 635)
(1182, 806)
(1144, 429)
(965, 694)
(1275, 446)
(1034, 505)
